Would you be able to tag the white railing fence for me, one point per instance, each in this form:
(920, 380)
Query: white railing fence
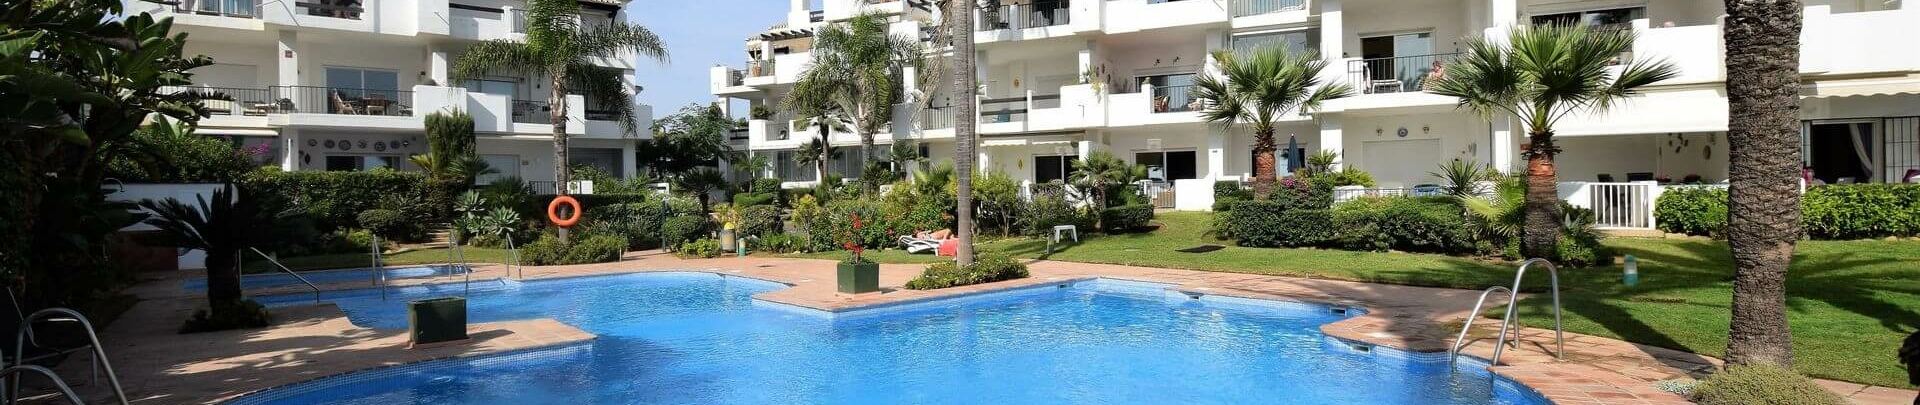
(1622, 205)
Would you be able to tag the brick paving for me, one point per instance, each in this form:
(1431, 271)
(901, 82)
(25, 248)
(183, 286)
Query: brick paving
(307, 342)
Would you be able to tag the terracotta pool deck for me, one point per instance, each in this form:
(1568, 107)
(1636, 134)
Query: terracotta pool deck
(158, 366)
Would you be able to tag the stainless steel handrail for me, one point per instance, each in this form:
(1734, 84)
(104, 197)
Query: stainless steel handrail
(9, 372)
(1508, 322)
(99, 351)
(296, 275)
(379, 275)
(461, 264)
(520, 271)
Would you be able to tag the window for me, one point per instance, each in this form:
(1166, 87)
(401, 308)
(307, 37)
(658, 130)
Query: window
(1280, 159)
(353, 83)
(788, 168)
(1052, 168)
(343, 163)
(1618, 18)
(503, 166)
(849, 164)
(1169, 166)
(1294, 42)
(494, 86)
(1171, 93)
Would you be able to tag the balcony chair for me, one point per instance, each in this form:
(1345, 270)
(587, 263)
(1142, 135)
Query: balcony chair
(218, 107)
(1641, 176)
(340, 106)
(1605, 178)
(376, 104)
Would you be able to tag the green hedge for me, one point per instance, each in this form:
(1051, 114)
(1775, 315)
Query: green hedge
(389, 224)
(593, 247)
(990, 268)
(335, 199)
(1698, 211)
(761, 220)
(1831, 212)
(702, 248)
(1126, 218)
(1410, 224)
(685, 228)
(755, 199)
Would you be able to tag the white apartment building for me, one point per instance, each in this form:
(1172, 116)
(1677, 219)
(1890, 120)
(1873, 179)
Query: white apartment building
(1064, 78)
(345, 84)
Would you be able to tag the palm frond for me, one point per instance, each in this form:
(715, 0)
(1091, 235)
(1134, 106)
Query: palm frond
(607, 88)
(497, 57)
(611, 38)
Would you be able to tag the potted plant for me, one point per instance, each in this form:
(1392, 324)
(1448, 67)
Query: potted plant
(761, 112)
(857, 274)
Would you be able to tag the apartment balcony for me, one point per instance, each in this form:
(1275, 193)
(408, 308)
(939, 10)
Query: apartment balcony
(223, 8)
(1155, 105)
(1261, 13)
(1138, 15)
(1039, 19)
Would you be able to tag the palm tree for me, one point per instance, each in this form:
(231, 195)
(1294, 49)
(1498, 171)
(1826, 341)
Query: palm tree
(905, 153)
(818, 153)
(1099, 173)
(1255, 89)
(1763, 129)
(856, 66)
(753, 165)
(701, 183)
(1541, 74)
(223, 228)
(959, 23)
(560, 49)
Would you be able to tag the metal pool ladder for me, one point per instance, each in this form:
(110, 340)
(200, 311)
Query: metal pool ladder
(379, 275)
(1508, 322)
(514, 252)
(296, 276)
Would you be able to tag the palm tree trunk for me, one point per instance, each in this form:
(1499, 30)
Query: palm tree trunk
(557, 114)
(1763, 86)
(223, 277)
(961, 25)
(1540, 233)
(826, 153)
(1263, 162)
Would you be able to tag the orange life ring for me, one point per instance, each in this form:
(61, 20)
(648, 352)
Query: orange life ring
(553, 211)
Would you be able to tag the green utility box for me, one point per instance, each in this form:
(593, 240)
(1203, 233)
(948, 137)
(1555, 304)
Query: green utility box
(856, 278)
(437, 320)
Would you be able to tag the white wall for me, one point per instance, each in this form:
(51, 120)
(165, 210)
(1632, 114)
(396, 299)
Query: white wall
(1447, 20)
(1458, 136)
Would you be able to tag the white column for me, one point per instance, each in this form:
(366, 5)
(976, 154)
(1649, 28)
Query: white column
(1332, 138)
(1086, 60)
(1083, 148)
(1333, 38)
(1217, 136)
(1503, 13)
(629, 166)
(984, 164)
(437, 66)
(289, 149)
(798, 15)
(289, 58)
(1503, 148)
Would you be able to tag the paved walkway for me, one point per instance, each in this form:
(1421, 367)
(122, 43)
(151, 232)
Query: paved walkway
(306, 342)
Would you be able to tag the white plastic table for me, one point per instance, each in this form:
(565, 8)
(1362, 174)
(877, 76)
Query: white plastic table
(1070, 229)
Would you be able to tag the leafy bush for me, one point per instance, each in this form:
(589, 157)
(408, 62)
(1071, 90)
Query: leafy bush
(754, 199)
(1276, 224)
(1862, 211)
(1346, 177)
(162, 153)
(591, 247)
(702, 248)
(999, 202)
(1126, 218)
(989, 268)
(239, 314)
(335, 199)
(1699, 211)
(761, 220)
(1050, 209)
(1412, 224)
(1230, 190)
(1761, 385)
(778, 243)
(684, 228)
(1305, 193)
(390, 224)
(834, 226)
(764, 185)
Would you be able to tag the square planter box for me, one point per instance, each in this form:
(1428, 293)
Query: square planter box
(859, 278)
(437, 320)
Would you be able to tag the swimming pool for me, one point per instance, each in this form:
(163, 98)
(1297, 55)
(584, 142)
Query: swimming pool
(698, 338)
(268, 280)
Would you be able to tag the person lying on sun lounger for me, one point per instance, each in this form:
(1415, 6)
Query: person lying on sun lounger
(925, 241)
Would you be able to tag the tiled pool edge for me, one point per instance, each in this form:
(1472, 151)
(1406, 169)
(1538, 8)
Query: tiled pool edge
(283, 391)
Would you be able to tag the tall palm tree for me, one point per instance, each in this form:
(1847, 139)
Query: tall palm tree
(959, 23)
(1539, 75)
(560, 49)
(857, 66)
(1763, 129)
(1255, 88)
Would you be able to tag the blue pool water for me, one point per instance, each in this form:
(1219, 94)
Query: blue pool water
(268, 280)
(696, 338)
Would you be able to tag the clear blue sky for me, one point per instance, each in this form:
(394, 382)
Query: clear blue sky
(698, 35)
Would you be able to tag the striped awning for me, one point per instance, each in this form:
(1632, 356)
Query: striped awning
(1872, 86)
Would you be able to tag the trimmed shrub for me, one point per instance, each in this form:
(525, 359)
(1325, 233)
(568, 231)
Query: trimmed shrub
(990, 268)
(778, 243)
(1761, 385)
(237, 314)
(761, 220)
(1412, 224)
(703, 248)
(1304, 228)
(389, 224)
(592, 247)
(1253, 223)
(1699, 211)
(1051, 209)
(335, 199)
(765, 185)
(684, 228)
(1861, 211)
(754, 199)
(1126, 218)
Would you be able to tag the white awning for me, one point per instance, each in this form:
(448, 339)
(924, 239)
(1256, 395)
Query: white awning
(236, 132)
(1004, 142)
(1876, 86)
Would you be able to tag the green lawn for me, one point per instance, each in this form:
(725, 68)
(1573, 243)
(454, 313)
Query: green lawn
(1852, 302)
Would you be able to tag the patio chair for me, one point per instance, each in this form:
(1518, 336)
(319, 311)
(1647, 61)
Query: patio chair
(917, 245)
(376, 104)
(340, 105)
(218, 107)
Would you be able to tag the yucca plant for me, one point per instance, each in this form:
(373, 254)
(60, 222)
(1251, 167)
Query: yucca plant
(560, 49)
(1254, 89)
(1539, 75)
